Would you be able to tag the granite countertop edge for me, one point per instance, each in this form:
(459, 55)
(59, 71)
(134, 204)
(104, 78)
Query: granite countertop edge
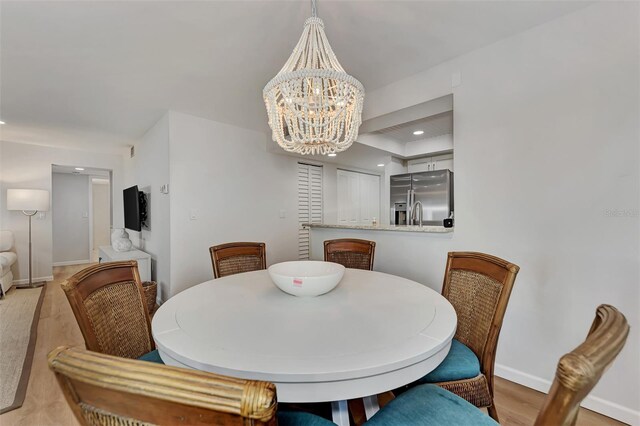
(391, 228)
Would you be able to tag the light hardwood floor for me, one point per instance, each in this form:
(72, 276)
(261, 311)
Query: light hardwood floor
(45, 405)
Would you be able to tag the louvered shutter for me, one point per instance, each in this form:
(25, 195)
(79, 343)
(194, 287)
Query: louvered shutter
(309, 203)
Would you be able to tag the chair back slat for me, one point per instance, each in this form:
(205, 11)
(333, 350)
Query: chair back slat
(234, 258)
(581, 369)
(105, 390)
(350, 252)
(109, 304)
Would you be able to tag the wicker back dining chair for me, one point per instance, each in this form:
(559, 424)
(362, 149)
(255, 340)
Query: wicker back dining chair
(577, 374)
(350, 252)
(478, 286)
(103, 390)
(580, 370)
(234, 258)
(109, 304)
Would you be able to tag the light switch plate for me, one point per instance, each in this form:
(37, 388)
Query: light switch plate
(283, 214)
(193, 214)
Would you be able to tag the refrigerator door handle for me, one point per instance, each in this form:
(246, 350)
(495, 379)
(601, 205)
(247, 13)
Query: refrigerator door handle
(409, 207)
(411, 198)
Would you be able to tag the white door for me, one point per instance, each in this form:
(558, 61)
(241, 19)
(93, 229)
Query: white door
(309, 203)
(353, 196)
(343, 197)
(369, 198)
(358, 198)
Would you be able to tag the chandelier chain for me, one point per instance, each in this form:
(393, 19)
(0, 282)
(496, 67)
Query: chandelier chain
(314, 10)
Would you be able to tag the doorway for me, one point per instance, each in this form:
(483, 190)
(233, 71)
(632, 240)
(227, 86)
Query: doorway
(100, 212)
(81, 213)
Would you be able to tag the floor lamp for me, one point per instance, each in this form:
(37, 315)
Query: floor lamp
(30, 202)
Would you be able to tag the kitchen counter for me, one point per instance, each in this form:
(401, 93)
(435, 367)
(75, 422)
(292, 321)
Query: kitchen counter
(393, 228)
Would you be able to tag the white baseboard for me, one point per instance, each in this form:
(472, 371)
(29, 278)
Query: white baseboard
(599, 405)
(72, 262)
(34, 279)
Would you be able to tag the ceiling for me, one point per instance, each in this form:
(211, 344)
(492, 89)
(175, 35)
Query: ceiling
(433, 126)
(358, 156)
(89, 171)
(97, 75)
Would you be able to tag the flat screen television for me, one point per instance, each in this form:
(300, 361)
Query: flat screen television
(132, 219)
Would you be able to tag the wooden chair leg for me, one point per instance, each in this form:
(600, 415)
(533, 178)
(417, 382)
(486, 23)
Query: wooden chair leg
(356, 409)
(385, 398)
(493, 413)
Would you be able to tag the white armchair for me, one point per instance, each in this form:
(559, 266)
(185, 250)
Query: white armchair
(7, 259)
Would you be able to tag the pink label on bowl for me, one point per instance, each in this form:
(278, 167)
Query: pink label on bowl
(297, 282)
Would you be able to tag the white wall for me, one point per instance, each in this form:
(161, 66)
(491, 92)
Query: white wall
(383, 142)
(547, 146)
(149, 169)
(428, 146)
(70, 217)
(29, 166)
(236, 189)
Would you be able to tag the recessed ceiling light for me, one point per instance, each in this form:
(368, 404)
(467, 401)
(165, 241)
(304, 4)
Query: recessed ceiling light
(380, 165)
(1, 122)
(79, 169)
(333, 154)
(418, 132)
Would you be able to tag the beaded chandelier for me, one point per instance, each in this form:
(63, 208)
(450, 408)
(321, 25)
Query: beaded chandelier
(314, 106)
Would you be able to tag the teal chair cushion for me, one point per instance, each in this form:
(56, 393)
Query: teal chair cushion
(460, 363)
(300, 418)
(152, 356)
(430, 405)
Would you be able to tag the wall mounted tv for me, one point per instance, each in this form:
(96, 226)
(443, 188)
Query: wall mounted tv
(135, 209)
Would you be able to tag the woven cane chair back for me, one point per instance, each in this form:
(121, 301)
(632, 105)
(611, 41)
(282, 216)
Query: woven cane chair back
(109, 304)
(350, 252)
(581, 369)
(235, 258)
(103, 390)
(478, 286)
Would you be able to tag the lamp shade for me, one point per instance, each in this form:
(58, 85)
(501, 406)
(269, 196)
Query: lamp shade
(28, 199)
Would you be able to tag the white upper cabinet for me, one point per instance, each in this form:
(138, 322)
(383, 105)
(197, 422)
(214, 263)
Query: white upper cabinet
(428, 164)
(358, 198)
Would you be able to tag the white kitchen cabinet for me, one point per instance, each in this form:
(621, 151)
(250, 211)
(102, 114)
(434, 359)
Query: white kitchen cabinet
(428, 164)
(358, 198)
(108, 254)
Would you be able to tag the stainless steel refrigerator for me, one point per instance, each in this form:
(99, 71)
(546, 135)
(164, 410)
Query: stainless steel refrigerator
(433, 189)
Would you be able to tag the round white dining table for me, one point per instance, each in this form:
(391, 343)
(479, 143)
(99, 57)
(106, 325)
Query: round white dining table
(373, 333)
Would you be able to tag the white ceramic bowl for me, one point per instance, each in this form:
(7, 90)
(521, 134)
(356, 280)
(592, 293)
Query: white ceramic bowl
(306, 277)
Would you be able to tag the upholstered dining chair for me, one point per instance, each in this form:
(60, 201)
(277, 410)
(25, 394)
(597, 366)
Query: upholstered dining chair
(234, 258)
(106, 390)
(350, 252)
(109, 305)
(577, 373)
(478, 286)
